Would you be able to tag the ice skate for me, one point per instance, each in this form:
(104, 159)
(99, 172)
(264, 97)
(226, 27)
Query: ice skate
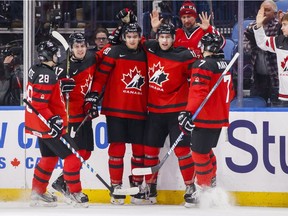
(43, 200)
(190, 196)
(213, 182)
(146, 196)
(78, 200)
(138, 198)
(117, 199)
(60, 185)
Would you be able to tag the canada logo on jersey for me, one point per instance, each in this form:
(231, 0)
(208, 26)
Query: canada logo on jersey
(157, 75)
(87, 85)
(133, 80)
(284, 64)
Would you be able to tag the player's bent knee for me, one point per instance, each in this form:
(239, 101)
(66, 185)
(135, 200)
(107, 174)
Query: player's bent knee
(182, 152)
(116, 150)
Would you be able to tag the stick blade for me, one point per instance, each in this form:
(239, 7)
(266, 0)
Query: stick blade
(142, 171)
(126, 191)
(61, 39)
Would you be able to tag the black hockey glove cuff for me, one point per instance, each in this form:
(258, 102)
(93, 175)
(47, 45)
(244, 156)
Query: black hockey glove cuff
(126, 16)
(93, 112)
(114, 38)
(185, 122)
(91, 104)
(92, 97)
(56, 126)
(67, 85)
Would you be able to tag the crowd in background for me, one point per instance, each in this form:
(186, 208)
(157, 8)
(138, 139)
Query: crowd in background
(263, 84)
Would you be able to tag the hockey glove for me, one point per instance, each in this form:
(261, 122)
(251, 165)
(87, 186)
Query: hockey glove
(126, 16)
(91, 104)
(92, 97)
(114, 38)
(56, 126)
(93, 111)
(67, 85)
(196, 54)
(185, 122)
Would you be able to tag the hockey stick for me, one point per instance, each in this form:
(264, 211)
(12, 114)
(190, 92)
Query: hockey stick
(127, 191)
(61, 39)
(73, 133)
(64, 43)
(154, 169)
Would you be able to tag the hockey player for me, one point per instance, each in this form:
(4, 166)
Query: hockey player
(168, 70)
(123, 72)
(277, 44)
(191, 32)
(213, 116)
(77, 82)
(43, 92)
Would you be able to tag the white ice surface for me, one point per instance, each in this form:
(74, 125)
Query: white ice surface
(23, 209)
(213, 202)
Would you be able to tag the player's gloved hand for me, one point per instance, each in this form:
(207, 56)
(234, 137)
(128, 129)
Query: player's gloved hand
(67, 85)
(56, 126)
(196, 54)
(93, 111)
(91, 104)
(126, 16)
(185, 122)
(92, 97)
(114, 38)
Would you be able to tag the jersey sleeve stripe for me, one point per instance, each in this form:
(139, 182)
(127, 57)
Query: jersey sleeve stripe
(102, 71)
(42, 91)
(202, 76)
(39, 100)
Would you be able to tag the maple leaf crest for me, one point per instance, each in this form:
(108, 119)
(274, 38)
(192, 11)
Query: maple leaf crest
(133, 79)
(15, 162)
(284, 64)
(86, 87)
(157, 75)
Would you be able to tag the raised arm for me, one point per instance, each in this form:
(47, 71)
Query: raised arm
(263, 42)
(155, 22)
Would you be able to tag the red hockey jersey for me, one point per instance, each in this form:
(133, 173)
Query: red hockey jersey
(123, 72)
(205, 73)
(43, 92)
(168, 73)
(83, 72)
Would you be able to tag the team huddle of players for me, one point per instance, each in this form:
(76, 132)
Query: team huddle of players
(150, 89)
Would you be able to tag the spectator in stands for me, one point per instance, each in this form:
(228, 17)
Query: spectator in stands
(11, 76)
(265, 81)
(276, 45)
(101, 38)
(280, 15)
(191, 32)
